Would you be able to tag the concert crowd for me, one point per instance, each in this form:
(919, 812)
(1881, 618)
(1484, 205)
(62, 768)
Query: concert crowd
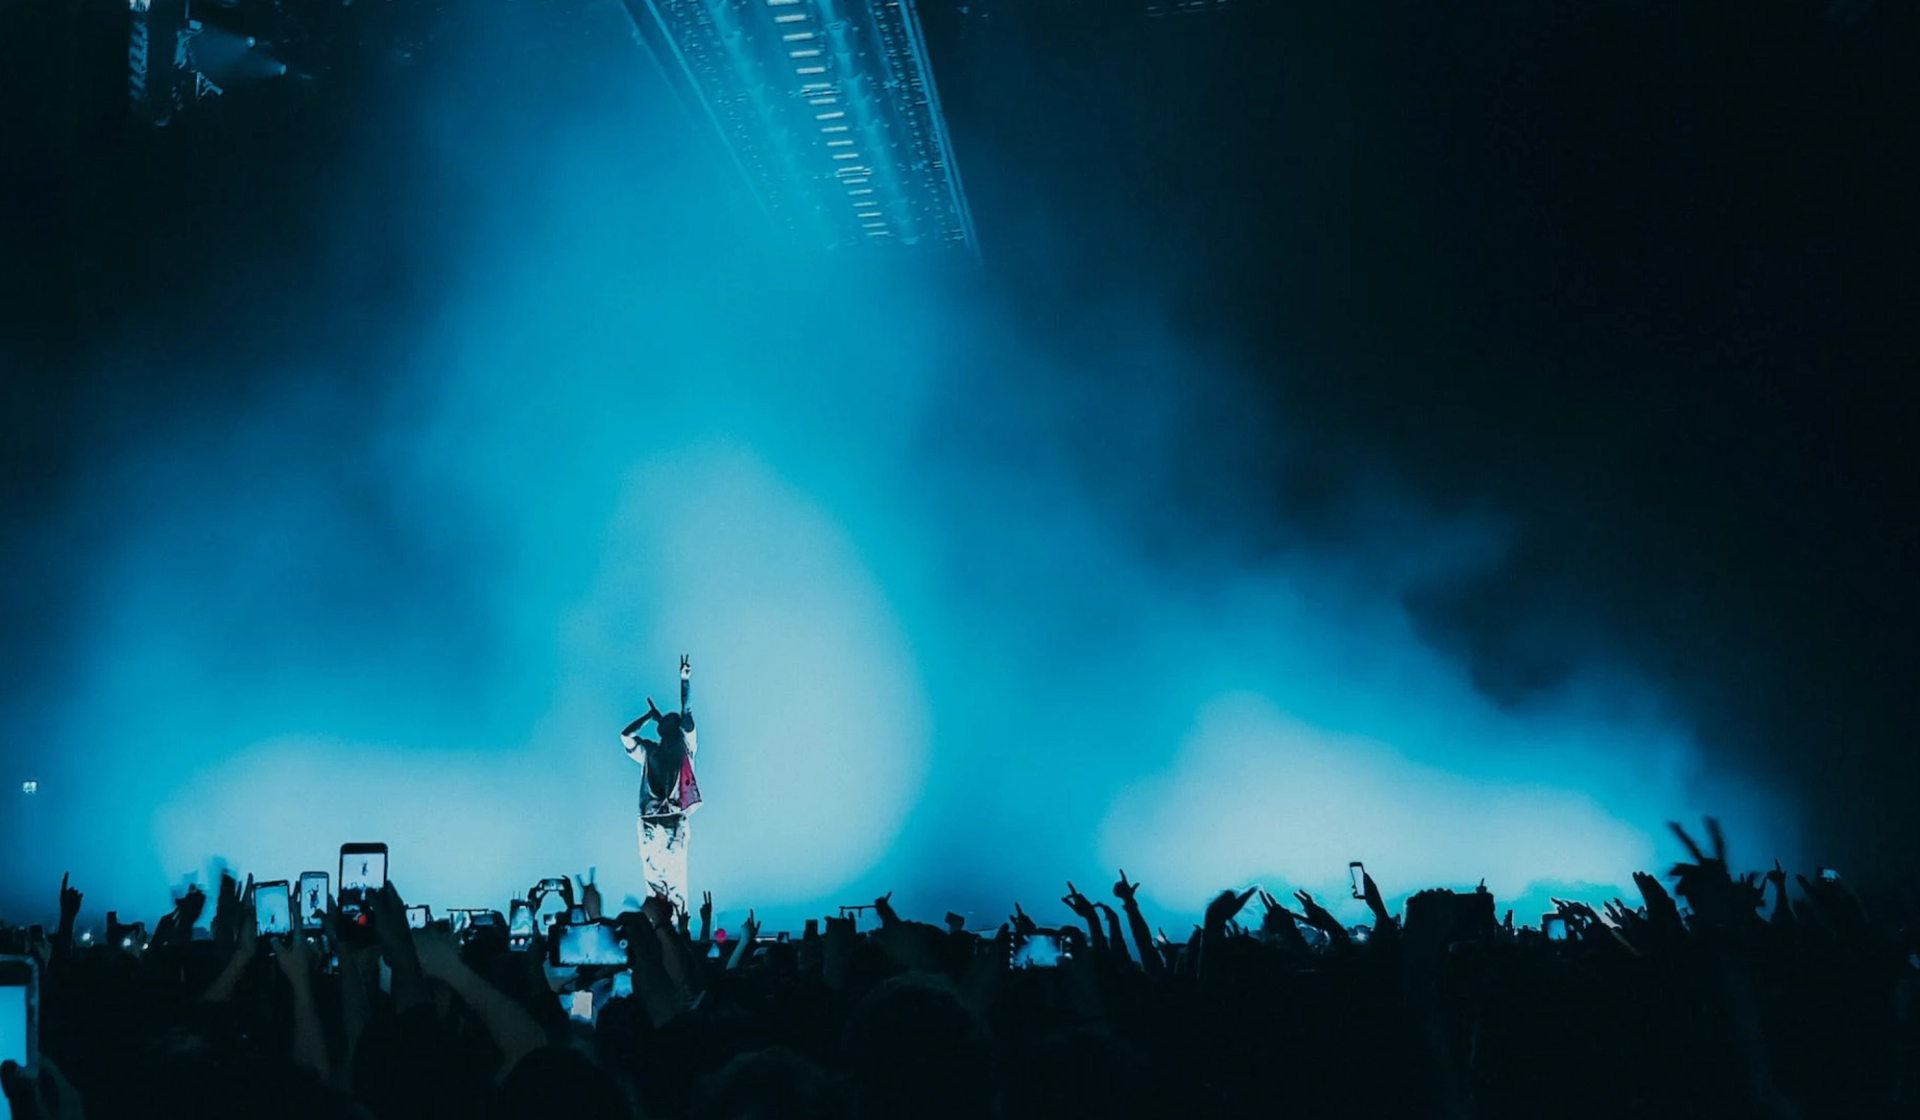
(1712, 994)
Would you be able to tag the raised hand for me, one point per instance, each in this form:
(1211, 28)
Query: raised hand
(1319, 918)
(1279, 921)
(706, 910)
(883, 909)
(1123, 890)
(190, 905)
(44, 1095)
(659, 910)
(590, 898)
(246, 929)
(1717, 898)
(1662, 912)
(69, 903)
(1226, 906)
(1078, 903)
(1020, 922)
(296, 959)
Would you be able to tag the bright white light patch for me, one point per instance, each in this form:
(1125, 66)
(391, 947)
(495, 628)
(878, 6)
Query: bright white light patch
(1254, 794)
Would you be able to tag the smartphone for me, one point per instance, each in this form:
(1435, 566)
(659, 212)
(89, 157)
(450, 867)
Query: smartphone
(461, 921)
(623, 983)
(588, 943)
(812, 929)
(519, 924)
(579, 1005)
(1554, 926)
(1041, 949)
(20, 1012)
(312, 899)
(418, 917)
(1828, 874)
(363, 872)
(781, 938)
(272, 908)
(1357, 879)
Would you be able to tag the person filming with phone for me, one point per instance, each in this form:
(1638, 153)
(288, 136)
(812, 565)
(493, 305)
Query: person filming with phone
(668, 792)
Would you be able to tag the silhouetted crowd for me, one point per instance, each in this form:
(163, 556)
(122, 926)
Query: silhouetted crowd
(1724, 996)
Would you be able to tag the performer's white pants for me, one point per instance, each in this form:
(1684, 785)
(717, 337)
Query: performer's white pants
(663, 857)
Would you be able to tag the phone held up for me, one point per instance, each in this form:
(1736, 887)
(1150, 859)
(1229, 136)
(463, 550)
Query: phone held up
(418, 917)
(273, 908)
(588, 943)
(20, 1012)
(1357, 878)
(312, 899)
(519, 924)
(1039, 949)
(363, 872)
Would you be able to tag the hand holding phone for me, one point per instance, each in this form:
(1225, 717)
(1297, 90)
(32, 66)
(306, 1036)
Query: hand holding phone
(363, 872)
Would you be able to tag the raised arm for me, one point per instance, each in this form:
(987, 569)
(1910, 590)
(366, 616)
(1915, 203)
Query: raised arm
(686, 687)
(630, 734)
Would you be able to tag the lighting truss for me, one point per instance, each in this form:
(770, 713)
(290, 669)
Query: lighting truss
(827, 108)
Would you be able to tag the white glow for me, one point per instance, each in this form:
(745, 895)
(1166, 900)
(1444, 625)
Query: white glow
(806, 661)
(834, 115)
(810, 70)
(806, 52)
(1254, 793)
(797, 36)
(792, 17)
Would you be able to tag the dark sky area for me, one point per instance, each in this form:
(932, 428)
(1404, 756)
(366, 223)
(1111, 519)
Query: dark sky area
(1633, 277)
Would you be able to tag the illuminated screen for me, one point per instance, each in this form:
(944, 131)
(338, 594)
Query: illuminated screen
(365, 871)
(13, 1032)
(272, 909)
(593, 943)
(1040, 950)
(313, 900)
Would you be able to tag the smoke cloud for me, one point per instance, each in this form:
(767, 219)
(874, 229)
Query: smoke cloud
(950, 573)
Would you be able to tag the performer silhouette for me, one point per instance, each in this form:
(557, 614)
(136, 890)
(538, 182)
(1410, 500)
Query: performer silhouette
(668, 792)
